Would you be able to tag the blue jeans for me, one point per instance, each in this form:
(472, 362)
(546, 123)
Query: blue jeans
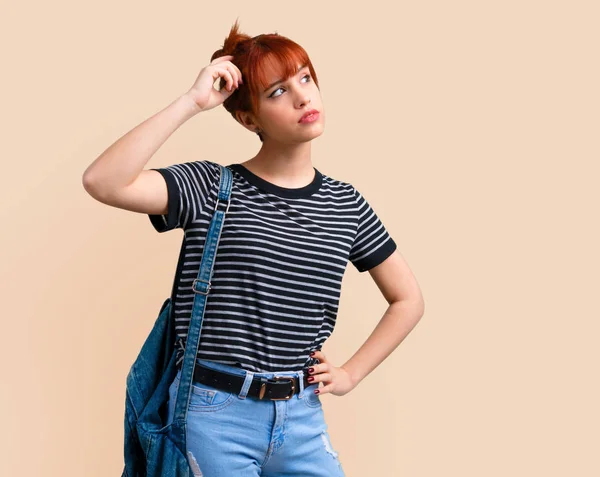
(232, 434)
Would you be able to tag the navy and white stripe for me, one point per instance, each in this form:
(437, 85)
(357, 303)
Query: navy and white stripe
(279, 264)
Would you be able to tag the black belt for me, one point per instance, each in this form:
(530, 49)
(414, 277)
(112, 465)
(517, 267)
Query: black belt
(276, 388)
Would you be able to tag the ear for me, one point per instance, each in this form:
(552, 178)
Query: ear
(247, 120)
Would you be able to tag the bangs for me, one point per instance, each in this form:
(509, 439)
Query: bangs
(280, 65)
(273, 58)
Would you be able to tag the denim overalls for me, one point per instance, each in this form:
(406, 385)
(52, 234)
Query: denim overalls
(220, 433)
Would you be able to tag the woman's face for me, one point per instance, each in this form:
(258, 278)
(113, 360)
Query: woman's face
(283, 104)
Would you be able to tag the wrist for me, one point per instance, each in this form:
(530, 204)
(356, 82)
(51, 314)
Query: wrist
(192, 105)
(355, 380)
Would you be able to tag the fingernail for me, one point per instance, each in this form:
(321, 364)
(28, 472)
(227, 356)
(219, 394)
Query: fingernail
(317, 391)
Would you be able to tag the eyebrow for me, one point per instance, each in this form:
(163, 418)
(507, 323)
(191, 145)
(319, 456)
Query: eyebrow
(282, 80)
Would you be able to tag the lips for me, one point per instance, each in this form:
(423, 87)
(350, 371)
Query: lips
(308, 113)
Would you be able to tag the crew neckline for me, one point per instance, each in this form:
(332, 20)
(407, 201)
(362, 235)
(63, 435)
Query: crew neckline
(267, 186)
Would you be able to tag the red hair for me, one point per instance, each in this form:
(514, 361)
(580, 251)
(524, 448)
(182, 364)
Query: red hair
(251, 55)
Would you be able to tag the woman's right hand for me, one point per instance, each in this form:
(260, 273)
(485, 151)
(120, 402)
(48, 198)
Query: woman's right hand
(203, 92)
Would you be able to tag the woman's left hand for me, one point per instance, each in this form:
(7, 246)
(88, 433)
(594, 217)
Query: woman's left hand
(335, 380)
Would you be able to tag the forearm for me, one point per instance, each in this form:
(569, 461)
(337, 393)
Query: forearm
(397, 321)
(120, 164)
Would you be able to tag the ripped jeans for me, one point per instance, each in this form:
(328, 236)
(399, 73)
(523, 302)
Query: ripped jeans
(231, 434)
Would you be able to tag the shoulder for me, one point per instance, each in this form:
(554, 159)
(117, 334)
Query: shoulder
(207, 167)
(191, 168)
(339, 187)
(202, 172)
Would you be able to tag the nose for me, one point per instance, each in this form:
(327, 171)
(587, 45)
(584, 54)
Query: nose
(303, 100)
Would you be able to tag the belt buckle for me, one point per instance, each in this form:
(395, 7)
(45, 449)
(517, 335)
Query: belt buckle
(291, 379)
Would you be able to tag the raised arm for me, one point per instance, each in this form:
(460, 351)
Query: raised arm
(118, 178)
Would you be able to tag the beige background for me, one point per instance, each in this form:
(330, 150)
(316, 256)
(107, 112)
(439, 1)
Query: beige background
(472, 129)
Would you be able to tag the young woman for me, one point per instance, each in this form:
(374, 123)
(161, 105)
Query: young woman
(288, 235)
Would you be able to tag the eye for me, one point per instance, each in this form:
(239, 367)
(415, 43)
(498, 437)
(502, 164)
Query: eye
(272, 95)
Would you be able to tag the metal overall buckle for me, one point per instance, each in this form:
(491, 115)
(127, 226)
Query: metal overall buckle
(208, 285)
(279, 378)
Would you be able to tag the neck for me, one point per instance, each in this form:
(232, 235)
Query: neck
(283, 164)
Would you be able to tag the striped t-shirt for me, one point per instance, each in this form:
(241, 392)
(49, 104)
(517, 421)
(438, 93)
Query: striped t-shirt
(278, 271)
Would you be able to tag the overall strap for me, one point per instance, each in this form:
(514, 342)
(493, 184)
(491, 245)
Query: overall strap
(201, 288)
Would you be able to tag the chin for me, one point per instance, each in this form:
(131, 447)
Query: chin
(311, 136)
(296, 137)
(315, 131)
(321, 131)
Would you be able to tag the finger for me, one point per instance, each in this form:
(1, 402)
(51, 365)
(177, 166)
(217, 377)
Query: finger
(221, 59)
(315, 374)
(322, 378)
(234, 73)
(226, 75)
(238, 71)
(325, 389)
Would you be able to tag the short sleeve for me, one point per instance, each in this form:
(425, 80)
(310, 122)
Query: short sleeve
(188, 185)
(372, 244)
